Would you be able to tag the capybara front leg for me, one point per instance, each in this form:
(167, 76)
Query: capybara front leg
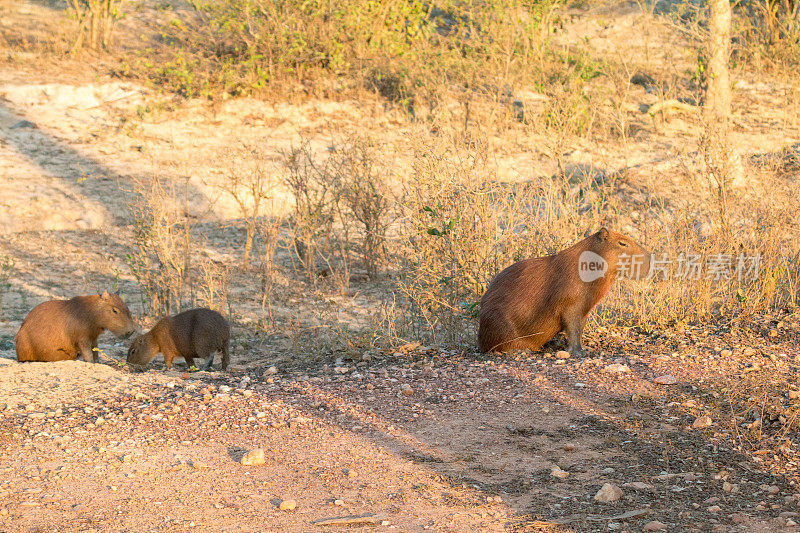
(168, 357)
(209, 362)
(573, 327)
(85, 349)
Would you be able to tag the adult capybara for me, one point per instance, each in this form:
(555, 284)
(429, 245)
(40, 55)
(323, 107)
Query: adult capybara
(61, 330)
(531, 301)
(194, 333)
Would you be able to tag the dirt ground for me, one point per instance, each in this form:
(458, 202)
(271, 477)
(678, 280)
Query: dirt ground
(416, 440)
(408, 439)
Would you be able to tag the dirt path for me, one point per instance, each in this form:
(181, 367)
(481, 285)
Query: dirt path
(454, 444)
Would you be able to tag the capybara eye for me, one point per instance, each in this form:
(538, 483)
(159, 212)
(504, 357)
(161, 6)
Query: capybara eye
(623, 243)
(115, 310)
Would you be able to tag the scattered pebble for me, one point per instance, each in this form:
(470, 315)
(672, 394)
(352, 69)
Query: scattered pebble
(655, 525)
(702, 422)
(638, 485)
(617, 368)
(288, 505)
(254, 458)
(608, 493)
(562, 354)
(666, 380)
(557, 473)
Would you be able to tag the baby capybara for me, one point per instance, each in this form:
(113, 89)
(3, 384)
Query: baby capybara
(194, 333)
(531, 301)
(61, 330)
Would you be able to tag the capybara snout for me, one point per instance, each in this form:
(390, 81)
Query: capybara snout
(197, 333)
(141, 351)
(60, 330)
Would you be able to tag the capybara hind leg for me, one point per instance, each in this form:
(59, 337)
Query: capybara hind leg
(24, 351)
(226, 357)
(209, 362)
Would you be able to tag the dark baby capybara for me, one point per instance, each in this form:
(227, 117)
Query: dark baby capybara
(531, 301)
(61, 330)
(194, 333)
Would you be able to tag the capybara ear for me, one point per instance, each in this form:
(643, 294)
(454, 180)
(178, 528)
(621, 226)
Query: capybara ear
(603, 234)
(105, 295)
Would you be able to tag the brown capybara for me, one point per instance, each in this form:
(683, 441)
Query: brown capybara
(61, 330)
(531, 301)
(193, 333)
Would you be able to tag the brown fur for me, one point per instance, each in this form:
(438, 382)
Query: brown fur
(61, 330)
(531, 301)
(194, 333)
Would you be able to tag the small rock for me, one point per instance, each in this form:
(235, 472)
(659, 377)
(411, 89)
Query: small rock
(338, 503)
(406, 390)
(655, 525)
(23, 124)
(714, 509)
(794, 394)
(271, 371)
(617, 368)
(727, 487)
(557, 473)
(608, 493)
(773, 489)
(666, 380)
(562, 354)
(253, 458)
(569, 447)
(702, 422)
(638, 485)
(288, 505)
(725, 353)
(199, 465)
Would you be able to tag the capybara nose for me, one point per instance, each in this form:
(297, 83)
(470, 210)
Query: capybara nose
(128, 334)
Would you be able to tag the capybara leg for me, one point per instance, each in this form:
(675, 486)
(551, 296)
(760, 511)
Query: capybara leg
(189, 361)
(86, 352)
(226, 357)
(168, 357)
(573, 328)
(24, 351)
(209, 362)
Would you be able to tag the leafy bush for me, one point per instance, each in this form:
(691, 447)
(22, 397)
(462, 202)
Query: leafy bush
(403, 49)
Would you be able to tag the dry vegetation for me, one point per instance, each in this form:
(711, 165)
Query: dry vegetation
(412, 225)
